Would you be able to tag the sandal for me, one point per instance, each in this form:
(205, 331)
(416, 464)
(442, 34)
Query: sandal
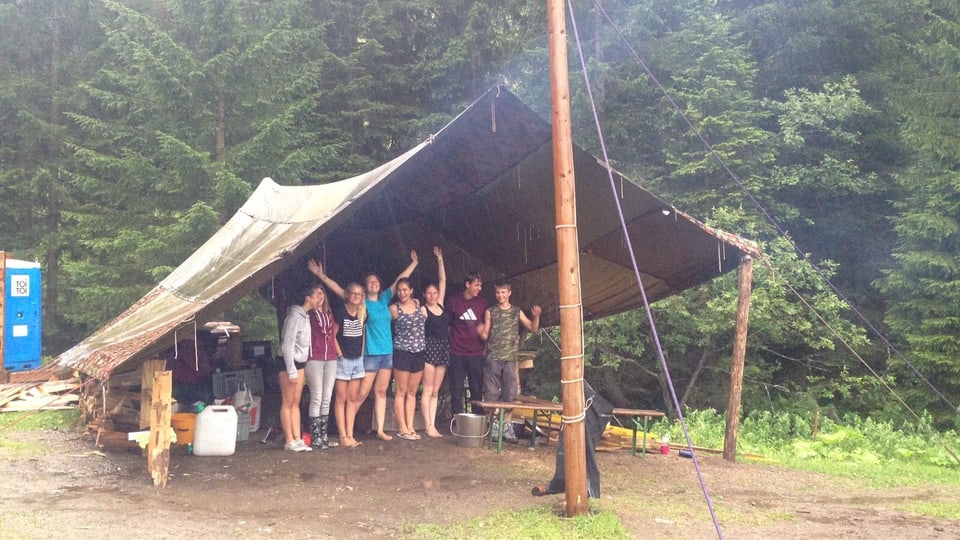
(407, 436)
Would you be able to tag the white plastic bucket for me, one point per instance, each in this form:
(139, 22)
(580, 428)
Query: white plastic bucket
(469, 430)
(216, 431)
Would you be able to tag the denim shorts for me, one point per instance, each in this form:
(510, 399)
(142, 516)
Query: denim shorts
(349, 369)
(373, 363)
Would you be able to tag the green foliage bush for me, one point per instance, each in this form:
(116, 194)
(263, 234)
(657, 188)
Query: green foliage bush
(789, 437)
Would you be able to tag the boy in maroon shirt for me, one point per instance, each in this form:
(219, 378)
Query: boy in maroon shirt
(468, 332)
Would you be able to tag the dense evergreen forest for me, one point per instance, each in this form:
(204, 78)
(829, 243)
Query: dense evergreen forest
(131, 130)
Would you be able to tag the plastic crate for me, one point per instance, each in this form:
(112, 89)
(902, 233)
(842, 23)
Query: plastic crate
(226, 383)
(257, 351)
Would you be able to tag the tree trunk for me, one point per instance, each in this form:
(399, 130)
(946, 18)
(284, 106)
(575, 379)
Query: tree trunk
(598, 26)
(695, 375)
(221, 141)
(52, 277)
(612, 387)
(665, 392)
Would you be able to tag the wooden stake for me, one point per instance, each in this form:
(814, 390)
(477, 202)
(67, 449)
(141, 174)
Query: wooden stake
(568, 268)
(158, 449)
(736, 363)
(146, 388)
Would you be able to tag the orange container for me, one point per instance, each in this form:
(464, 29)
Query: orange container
(184, 424)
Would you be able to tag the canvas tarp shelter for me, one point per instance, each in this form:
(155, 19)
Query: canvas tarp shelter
(481, 188)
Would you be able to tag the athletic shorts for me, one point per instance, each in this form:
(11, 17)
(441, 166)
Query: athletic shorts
(408, 361)
(349, 369)
(373, 363)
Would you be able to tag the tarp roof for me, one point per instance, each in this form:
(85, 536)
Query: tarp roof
(481, 188)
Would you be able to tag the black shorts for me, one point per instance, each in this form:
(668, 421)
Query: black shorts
(282, 366)
(408, 361)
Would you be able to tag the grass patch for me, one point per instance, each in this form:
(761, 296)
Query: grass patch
(881, 474)
(939, 510)
(879, 453)
(15, 448)
(39, 420)
(16, 422)
(533, 523)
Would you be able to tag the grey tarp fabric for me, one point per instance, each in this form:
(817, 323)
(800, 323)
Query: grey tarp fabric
(481, 188)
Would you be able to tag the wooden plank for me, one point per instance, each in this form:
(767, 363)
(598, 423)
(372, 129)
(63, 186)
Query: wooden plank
(10, 392)
(56, 387)
(146, 387)
(113, 440)
(158, 449)
(117, 399)
(127, 379)
(42, 403)
(24, 402)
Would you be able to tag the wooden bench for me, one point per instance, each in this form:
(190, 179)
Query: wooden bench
(547, 408)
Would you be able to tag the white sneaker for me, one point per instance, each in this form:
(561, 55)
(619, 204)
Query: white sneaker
(302, 446)
(297, 445)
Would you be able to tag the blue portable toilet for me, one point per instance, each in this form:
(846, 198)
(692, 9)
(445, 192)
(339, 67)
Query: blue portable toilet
(22, 316)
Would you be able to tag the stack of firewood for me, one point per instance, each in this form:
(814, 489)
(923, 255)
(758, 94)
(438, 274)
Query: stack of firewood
(111, 409)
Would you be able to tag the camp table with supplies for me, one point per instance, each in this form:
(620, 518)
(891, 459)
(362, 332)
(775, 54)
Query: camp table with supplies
(541, 407)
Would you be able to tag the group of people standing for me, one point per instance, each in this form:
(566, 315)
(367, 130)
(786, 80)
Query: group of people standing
(358, 348)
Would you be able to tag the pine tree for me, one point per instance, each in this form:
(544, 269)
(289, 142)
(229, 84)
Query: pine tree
(194, 103)
(924, 286)
(43, 54)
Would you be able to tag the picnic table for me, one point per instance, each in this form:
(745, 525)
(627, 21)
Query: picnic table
(638, 418)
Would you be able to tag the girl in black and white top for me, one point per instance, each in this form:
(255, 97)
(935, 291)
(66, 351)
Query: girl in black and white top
(408, 356)
(350, 372)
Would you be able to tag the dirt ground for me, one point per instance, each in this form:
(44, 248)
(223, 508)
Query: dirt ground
(54, 484)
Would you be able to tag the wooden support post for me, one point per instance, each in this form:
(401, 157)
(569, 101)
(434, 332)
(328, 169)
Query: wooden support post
(568, 268)
(736, 363)
(146, 388)
(158, 449)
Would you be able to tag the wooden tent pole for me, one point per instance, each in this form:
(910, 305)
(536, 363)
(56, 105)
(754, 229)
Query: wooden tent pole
(736, 364)
(568, 268)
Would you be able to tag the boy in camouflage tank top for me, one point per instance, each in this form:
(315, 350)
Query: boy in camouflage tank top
(503, 344)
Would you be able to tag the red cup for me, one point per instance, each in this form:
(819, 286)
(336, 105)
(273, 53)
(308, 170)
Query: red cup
(306, 439)
(665, 449)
